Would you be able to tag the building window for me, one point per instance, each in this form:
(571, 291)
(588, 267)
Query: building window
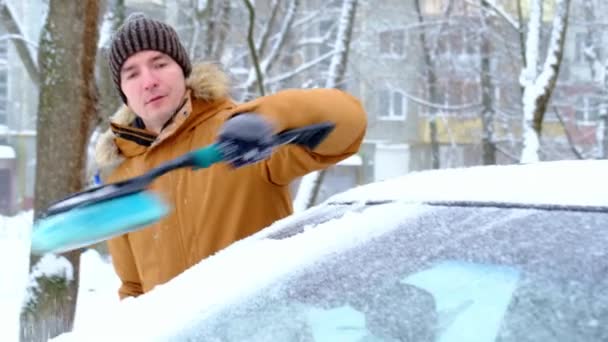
(588, 110)
(393, 43)
(392, 105)
(3, 82)
(458, 42)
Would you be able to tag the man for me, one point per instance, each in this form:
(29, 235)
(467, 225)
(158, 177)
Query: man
(172, 108)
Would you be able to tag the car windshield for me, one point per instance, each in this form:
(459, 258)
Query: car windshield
(454, 273)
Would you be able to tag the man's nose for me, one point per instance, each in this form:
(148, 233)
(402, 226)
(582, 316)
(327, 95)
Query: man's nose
(150, 81)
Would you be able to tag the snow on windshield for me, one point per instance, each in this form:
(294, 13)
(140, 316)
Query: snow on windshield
(241, 270)
(557, 183)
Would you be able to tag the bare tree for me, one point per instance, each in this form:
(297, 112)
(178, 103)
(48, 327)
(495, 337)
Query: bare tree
(66, 112)
(270, 57)
(336, 75)
(538, 82)
(431, 84)
(209, 27)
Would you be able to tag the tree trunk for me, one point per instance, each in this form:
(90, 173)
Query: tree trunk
(67, 109)
(538, 86)
(431, 79)
(487, 92)
(210, 31)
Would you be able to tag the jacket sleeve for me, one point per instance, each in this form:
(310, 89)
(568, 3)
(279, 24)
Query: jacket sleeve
(301, 107)
(124, 265)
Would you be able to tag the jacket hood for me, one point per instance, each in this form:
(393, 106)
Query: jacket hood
(206, 82)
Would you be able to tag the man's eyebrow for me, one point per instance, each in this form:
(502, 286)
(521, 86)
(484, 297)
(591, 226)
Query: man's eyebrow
(158, 57)
(127, 69)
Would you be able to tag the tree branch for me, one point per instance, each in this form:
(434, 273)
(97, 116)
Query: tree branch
(506, 153)
(10, 24)
(265, 36)
(501, 13)
(301, 68)
(19, 37)
(252, 49)
(573, 148)
(278, 45)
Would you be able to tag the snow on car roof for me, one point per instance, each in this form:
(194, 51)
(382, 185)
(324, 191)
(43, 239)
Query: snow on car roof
(577, 183)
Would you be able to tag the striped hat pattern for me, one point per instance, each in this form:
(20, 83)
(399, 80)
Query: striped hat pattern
(140, 33)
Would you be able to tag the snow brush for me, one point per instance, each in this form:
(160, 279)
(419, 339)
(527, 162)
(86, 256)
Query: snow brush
(106, 211)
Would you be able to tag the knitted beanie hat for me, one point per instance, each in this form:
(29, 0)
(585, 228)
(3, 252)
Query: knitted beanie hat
(140, 33)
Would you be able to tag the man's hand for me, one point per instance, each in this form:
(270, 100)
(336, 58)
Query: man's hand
(246, 139)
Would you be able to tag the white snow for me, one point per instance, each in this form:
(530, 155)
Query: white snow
(305, 191)
(7, 152)
(98, 282)
(98, 289)
(353, 160)
(253, 263)
(560, 183)
(48, 266)
(207, 287)
(14, 264)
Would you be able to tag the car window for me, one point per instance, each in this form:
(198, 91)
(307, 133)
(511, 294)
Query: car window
(451, 274)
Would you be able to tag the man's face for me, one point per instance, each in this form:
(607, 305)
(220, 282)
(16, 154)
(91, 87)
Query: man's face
(154, 85)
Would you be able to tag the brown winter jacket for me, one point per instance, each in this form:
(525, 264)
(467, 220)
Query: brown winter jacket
(216, 206)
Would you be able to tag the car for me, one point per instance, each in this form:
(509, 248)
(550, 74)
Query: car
(487, 253)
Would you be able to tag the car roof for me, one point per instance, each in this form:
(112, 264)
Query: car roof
(559, 183)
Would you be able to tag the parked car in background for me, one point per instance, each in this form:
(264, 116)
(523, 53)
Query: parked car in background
(494, 253)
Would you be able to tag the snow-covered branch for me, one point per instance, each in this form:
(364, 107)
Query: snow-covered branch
(573, 148)
(277, 46)
(19, 37)
(300, 69)
(538, 87)
(265, 36)
(311, 184)
(502, 13)
(443, 107)
(315, 40)
(337, 66)
(8, 20)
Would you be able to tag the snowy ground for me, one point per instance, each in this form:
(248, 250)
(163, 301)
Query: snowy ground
(98, 282)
